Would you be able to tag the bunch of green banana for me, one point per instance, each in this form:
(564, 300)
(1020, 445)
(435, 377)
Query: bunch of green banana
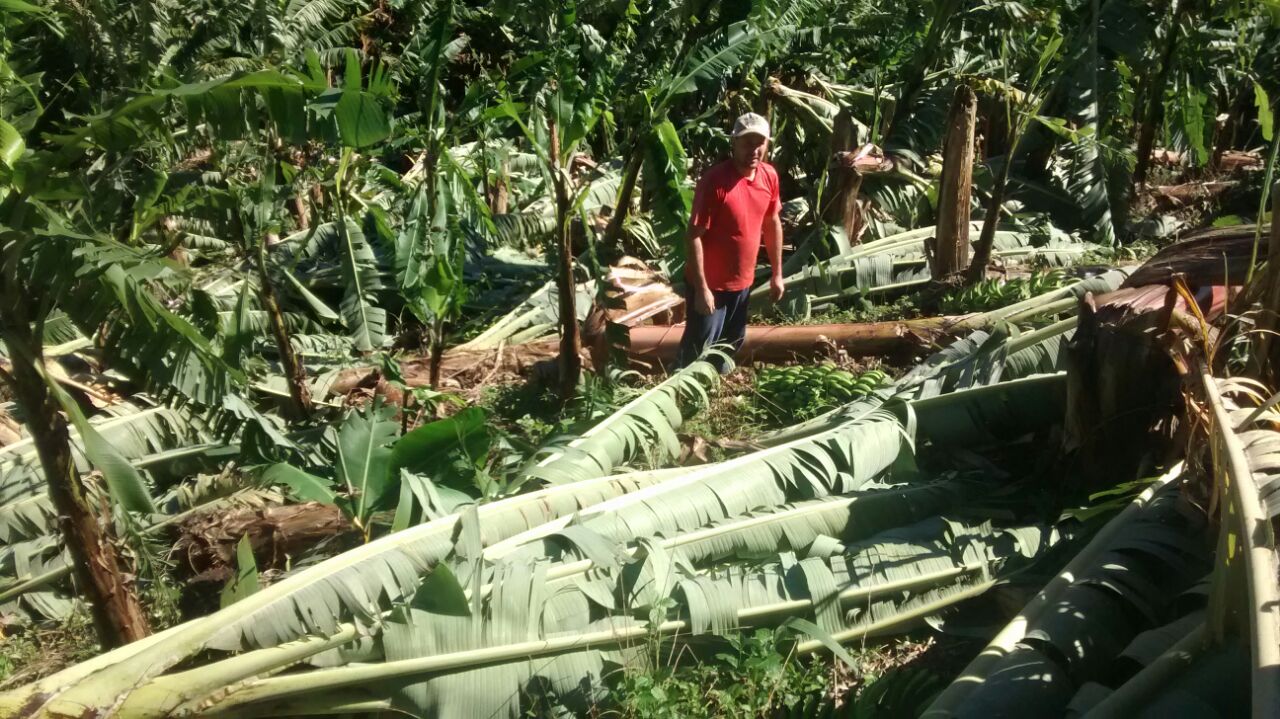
(802, 391)
(996, 293)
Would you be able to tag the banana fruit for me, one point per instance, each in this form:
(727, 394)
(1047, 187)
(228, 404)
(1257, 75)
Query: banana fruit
(801, 391)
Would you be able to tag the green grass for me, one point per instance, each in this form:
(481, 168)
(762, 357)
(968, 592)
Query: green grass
(732, 414)
(1130, 254)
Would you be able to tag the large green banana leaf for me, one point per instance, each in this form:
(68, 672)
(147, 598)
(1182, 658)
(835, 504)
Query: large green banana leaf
(787, 495)
(644, 426)
(530, 633)
(139, 431)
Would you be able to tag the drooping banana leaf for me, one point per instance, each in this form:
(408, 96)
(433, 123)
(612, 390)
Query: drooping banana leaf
(763, 533)
(522, 229)
(647, 424)
(1124, 529)
(995, 413)
(898, 262)
(534, 317)
(836, 461)
(998, 350)
(33, 573)
(24, 590)
(825, 283)
(986, 358)
(161, 349)
(527, 632)
(136, 430)
(325, 599)
(365, 319)
(1244, 525)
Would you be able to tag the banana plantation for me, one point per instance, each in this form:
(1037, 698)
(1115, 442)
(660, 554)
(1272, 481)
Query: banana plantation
(338, 360)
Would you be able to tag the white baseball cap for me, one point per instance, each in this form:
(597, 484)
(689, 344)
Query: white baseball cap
(751, 124)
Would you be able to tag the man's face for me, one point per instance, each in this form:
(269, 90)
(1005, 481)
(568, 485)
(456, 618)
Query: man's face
(749, 151)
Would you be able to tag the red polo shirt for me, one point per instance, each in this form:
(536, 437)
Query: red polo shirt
(732, 210)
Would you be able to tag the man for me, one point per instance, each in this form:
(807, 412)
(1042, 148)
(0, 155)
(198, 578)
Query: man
(735, 206)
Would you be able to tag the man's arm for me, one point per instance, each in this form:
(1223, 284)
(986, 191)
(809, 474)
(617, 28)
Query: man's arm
(704, 302)
(773, 245)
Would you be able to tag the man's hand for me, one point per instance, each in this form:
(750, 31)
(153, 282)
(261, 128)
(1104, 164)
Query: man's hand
(704, 302)
(776, 287)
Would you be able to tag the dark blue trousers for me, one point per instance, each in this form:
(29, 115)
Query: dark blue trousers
(726, 325)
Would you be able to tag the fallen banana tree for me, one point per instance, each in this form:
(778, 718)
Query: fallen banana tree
(659, 345)
(1065, 635)
(30, 568)
(830, 530)
(1244, 458)
(1070, 646)
(485, 661)
(788, 496)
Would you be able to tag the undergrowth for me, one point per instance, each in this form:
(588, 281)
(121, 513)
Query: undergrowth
(758, 675)
(732, 414)
(531, 413)
(752, 676)
(31, 652)
(1129, 254)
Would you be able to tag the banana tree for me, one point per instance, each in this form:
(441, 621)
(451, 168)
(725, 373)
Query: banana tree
(1178, 13)
(564, 107)
(47, 265)
(254, 221)
(440, 196)
(1020, 108)
(121, 289)
(377, 470)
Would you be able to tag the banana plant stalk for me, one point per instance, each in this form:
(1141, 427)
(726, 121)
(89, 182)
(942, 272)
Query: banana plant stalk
(117, 612)
(27, 296)
(1017, 117)
(294, 371)
(570, 334)
(1255, 540)
(1155, 91)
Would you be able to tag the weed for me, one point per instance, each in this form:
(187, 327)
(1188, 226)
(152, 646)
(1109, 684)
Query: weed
(531, 413)
(1131, 253)
(732, 414)
(39, 650)
(758, 675)
(752, 676)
